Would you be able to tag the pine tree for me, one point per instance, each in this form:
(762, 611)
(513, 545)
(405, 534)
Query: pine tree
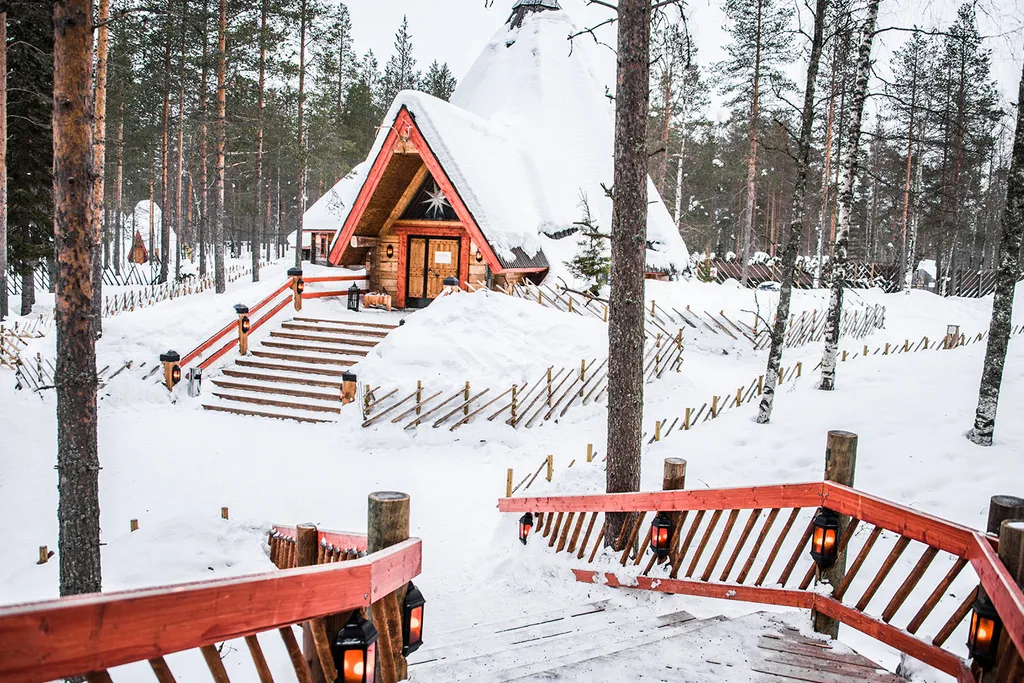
(3, 163)
(591, 264)
(400, 72)
(439, 81)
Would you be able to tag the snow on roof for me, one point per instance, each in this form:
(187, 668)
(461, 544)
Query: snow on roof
(527, 134)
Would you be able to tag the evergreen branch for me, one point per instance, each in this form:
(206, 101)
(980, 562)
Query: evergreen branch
(126, 12)
(603, 4)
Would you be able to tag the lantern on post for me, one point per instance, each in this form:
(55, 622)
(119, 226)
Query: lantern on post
(243, 328)
(412, 620)
(172, 371)
(825, 538)
(661, 534)
(353, 298)
(348, 387)
(983, 636)
(298, 286)
(525, 525)
(355, 651)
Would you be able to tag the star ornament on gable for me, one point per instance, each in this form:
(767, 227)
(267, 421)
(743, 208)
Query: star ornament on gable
(436, 202)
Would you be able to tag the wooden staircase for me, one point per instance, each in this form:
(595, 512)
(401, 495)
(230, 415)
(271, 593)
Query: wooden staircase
(599, 642)
(295, 373)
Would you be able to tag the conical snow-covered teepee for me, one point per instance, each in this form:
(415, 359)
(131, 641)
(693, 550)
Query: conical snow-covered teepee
(527, 137)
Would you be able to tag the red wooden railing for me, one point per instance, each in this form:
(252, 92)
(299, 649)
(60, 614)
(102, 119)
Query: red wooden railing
(89, 634)
(749, 559)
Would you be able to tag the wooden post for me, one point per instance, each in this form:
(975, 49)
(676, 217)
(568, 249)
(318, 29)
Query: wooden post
(739, 397)
(674, 479)
(465, 409)
(515, 402)
(657, 430)
(652, 308)
(1009, 668)
(551, 467)
(387, 524)
(590, 452)
(799, 367)
(606, 314)
(865, 349)
(844, 355)
(508, 483)
(760, 384)
(840, 466)
(570, 303)
(686, 419)
(243, 329)
(223, 513)
(44, 555)
(549, 386)
(172, 371)
(583, 374)
(714, 406)
(419, 395)
(133, 525)
(298, 285)
(886, 352)
(307, 543)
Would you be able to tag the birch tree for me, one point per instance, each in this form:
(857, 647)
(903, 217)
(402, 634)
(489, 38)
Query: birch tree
(849, 172)
(1006, 283)
(796, 226)
(78, 513)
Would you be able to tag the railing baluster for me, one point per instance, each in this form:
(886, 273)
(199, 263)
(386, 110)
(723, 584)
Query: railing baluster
(631, 539)
(547, 523)
(161, 670)
(295, 654)
(749, 564)
(565, 532)
(715, 556)
(214, 664)
(887, 566)
(717, 515)
(796, 553)
(840, 591)
(909, 584)
(748, 527)
(323, 648)
(777, 547)
(553, 536)
(954, 620)
(259, 660)
(586, 536)
(98, 677)
(576, 532)
(843, 543)
(677, 562)
(936, 595)
(600, 539)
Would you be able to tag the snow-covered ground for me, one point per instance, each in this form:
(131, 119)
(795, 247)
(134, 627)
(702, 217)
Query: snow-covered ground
(173, 466)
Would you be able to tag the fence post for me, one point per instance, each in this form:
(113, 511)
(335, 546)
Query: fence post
(388, 524)
(515, 403)
(840, 466)
(307, 542)
(551, 467)
(1009, 667)
(674, 479)
(590, 452)
(508, 483)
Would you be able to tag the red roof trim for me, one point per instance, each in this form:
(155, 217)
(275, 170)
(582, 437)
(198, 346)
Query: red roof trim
(405, 124)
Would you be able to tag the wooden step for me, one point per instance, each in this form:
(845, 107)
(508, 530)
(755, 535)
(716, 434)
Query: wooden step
(331, 337)
(260, 400)
(360, 323)
(261, 413)
(276, 390)
(319, 360)
(345, 329)
(316, 348)
(284, 379)
(336, 334)
(298, 367)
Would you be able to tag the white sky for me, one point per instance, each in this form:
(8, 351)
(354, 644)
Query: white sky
(456, 30)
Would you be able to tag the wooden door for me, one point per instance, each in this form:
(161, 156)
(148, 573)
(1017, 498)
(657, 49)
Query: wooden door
(417, 269)
(443, 261)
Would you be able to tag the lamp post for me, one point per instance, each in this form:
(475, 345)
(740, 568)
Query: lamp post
(355, 651)
(412, 620)
(243, 328)
(298, 286)
(348, 387)
(172, 371)
(824, 539)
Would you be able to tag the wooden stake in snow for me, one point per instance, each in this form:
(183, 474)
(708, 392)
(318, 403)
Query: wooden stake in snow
(508, 484)
(44, 555)
(840, 466)
(224, 513)
(590, 452)
(133, 525)
(551, 467)
(388, 524)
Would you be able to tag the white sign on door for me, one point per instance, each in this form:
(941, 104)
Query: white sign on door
(442, 257)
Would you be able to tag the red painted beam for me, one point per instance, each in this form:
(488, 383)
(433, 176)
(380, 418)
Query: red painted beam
(335, 278)
(748, 497)
(62, 638)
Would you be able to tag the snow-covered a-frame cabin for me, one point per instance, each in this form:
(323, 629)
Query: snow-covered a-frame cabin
(489, 188)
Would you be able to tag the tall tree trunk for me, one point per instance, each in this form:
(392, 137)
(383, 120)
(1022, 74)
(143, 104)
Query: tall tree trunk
(748, 216)
(302, 138)
(99, 151)
(261, 224)
(204, 190)
(835, 304)
(75, 233)
(119, 190)
(914, 198)
(28, 283)
(906, 268)
(629, 237)
(181, 142)
(218, 227)
(165, 213)
(4, 312)
(796, 226)
(152, 236)
(1006, 283)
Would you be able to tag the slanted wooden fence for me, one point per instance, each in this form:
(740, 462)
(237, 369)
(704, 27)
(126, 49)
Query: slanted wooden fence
(751, 544)
(125, 302)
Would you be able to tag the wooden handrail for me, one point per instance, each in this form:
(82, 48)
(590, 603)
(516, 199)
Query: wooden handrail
(71, 636)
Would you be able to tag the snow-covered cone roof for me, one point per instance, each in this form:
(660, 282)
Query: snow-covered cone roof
(527, 134)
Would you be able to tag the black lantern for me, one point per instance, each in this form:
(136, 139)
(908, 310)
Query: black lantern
(355, 651)
(661, 534)
(390, 251)
(825, 538)
(479, 256)
(300, 285)
(353, 297)
(983, 637)
(450, 281)
(525, 524)
(176, 374)
(412, 620)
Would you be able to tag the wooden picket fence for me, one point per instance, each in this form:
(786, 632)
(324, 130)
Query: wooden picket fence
(129, 301)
